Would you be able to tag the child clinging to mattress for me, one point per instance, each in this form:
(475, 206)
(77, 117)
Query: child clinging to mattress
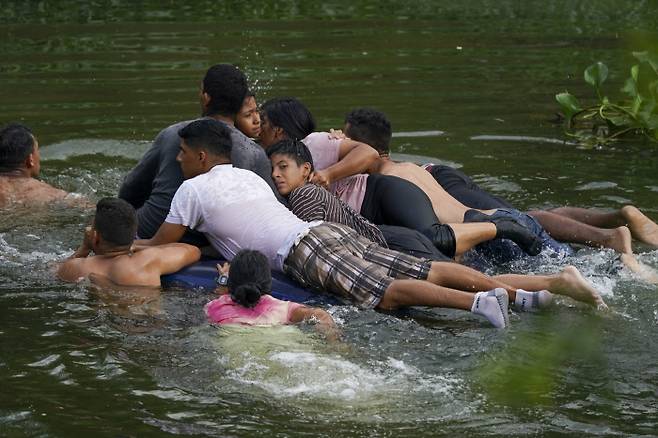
(248, 300)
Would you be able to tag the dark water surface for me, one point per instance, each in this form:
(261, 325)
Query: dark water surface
(97, 80)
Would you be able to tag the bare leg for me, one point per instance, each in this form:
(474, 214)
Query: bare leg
(471, 234)
(643, 229)
(643, 271)
(456, 276)
(404, 293)
(490, 304)
(593, 217)
(566, 229)
(569, 283)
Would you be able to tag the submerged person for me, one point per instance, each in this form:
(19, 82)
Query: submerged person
(382, 199)
(151, 185)
(566, 224)
(20, 165)
(248, 301)
(114, 261)
(236, 210)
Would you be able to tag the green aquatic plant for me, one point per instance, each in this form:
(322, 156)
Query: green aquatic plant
(607, 121)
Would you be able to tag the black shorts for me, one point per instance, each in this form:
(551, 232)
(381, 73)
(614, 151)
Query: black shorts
(463, 189)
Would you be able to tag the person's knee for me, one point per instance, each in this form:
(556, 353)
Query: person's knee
(435, 274)
(391, 298)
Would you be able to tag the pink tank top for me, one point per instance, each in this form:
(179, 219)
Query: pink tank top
(268, 311)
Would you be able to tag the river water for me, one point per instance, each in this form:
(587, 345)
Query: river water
(97, 81)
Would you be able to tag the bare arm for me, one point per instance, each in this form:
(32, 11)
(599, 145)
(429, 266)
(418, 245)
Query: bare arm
(173, 257)
(138, 183)
(167, 233)
(353, 158)
(71, 268)
(325, 323)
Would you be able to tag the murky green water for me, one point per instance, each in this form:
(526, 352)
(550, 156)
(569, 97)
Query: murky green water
(97, 81)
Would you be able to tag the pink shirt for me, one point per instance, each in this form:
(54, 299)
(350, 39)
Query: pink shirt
(268, 311)
(325, 151)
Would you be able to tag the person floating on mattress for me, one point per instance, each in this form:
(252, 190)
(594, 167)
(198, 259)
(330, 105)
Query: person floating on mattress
(235, 209)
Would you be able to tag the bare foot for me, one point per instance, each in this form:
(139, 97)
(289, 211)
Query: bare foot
(620, 240)
(643, 229)
(571, 283)
(643, 271)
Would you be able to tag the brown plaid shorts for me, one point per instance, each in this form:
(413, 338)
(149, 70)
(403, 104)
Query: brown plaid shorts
(336, 259)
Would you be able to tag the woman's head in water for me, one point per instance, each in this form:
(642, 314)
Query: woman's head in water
(249, 277)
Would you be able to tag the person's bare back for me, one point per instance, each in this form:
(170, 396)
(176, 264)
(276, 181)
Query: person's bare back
(447, 208)
(140, 268)
(25, 190)
(115, 259)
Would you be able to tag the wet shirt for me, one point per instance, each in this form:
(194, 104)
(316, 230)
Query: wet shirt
(151, 185)
(268, 311)
(325, 152)
(235, 209)
(312, 202)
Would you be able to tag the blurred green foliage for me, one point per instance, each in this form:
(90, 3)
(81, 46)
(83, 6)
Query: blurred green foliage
(540, 363)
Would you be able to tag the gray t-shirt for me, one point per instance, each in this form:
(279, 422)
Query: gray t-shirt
(151, 185)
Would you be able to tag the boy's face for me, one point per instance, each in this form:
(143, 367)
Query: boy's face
(287, 174)
(248, 119)
(190, 161)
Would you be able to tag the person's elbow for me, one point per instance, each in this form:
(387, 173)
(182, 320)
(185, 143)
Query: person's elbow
(368, 155)
(193, 252)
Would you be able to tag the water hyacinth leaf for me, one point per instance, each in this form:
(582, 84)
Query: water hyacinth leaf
(649, 58)
(596, 74)
(635, 70)
(569, 104)
(630, 86)
(646, 112)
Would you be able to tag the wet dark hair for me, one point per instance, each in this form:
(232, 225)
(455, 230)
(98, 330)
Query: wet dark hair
(16, 144)
(208, 134)
(115, 221)
(291, 115)
(369, 126)
(249, 277)
(227, 87)
(295, 149)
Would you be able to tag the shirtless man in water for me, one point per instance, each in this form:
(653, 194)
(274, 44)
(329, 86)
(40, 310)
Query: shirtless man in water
(20, 163)
(115, 262)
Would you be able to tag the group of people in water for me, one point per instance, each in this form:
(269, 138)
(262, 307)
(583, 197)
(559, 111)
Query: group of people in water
(263, 190)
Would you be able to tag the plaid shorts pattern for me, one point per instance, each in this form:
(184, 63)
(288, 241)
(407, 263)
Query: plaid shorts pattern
(336, 259)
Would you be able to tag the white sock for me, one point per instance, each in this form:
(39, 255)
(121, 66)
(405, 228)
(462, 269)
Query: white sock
(532, 301)
(493, 306)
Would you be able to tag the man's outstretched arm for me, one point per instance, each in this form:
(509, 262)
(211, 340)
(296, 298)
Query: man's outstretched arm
(173, 257)
(167, 233)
